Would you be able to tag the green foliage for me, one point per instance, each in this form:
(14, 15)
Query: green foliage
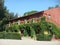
(39, 28)
(28, 30)
(1, 35)
(36, 27)
(55, 30)
(10, 35)
(14, 27)
(57, 35)
(7, 28)
(25, 33)
(32, 32)
(5, 16)
(53, 7)
(43, 24)
(43, 18)
(57, 6)
(30, 12)
(43, 37)
(2, 9)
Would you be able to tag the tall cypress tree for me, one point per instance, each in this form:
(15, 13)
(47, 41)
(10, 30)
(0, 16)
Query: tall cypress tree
(2, 9)
(4, 15)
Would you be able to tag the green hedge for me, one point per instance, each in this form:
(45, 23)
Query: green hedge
(55, 30)
(10, 35)
(42, 37)
(1, 35)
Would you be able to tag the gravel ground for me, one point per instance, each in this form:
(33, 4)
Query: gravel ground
(27, 42)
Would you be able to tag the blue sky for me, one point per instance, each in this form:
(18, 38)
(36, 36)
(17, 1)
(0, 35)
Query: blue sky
(22, 6)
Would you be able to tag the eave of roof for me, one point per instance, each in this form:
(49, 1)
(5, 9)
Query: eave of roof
(26, 16)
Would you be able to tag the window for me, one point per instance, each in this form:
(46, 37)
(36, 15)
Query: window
(49, 16)
(18, 22)
(25, 21)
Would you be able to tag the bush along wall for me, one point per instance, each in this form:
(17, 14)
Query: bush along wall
(12, 28)
(37, 29)
(32, 32)
(25, 33)
(45, 34)
(10, 35)
(28, 30)
(55, 30)
(42, 30)
(43, 37)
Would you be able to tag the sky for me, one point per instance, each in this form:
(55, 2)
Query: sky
(22, 6)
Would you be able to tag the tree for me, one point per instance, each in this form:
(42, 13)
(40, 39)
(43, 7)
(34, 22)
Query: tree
(16, 16)
(11, 15)
(50, 7)
(2, 14)
(53, 7)
(2, 9)
(57, 6)
(30, 12)
(5, 16)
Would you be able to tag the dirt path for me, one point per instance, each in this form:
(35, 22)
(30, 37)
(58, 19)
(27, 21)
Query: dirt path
(27, 42)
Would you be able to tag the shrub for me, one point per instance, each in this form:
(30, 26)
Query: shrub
(42, 37)
(36, 27)
(28, 29)
(25, 33)
(57, 35)
(1, 35)
(7, 28)
(24, 27)
(32, 32)
(55, 30)
(43, 18)
(13, 28)
(43, 25)
(10, 35)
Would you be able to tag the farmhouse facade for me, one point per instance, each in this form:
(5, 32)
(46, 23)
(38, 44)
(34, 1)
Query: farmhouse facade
(52, 15)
